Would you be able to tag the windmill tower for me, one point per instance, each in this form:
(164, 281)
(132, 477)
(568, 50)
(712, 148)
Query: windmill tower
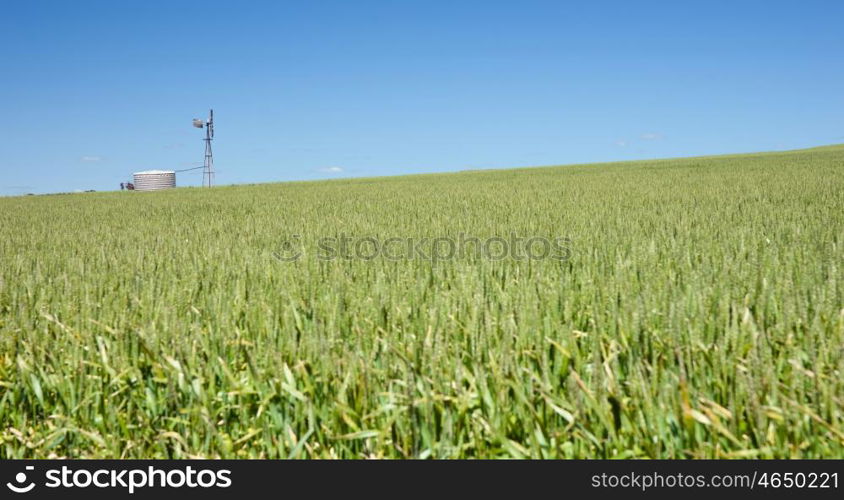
(208, 166)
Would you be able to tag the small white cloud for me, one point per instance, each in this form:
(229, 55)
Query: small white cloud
(651, 136)
(91, 158)
(330, 170)
(621, 144)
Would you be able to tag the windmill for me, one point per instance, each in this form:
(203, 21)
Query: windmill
(208, 168)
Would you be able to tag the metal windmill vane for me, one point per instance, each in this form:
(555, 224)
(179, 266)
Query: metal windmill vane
(208, 167)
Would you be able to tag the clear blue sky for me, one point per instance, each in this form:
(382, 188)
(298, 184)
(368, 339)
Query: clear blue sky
(92, 91)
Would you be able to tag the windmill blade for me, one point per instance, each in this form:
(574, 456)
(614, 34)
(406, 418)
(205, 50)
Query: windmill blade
(197, 123)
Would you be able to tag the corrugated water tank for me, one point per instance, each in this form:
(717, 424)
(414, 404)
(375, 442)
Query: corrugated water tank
(153, 180)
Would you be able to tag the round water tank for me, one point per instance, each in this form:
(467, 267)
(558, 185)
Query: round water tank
(153, 180)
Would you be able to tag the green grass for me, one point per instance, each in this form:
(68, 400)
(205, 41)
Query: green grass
(700, 315)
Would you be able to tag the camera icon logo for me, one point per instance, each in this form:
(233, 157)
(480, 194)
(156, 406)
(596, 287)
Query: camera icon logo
(290, 249)
(20, 478)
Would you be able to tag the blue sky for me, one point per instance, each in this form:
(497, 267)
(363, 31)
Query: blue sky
(92, 91)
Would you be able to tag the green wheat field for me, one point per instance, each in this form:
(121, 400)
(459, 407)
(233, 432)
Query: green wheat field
(699, 313)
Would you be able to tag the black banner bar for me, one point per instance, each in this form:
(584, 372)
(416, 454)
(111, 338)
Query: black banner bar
(258, 478)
